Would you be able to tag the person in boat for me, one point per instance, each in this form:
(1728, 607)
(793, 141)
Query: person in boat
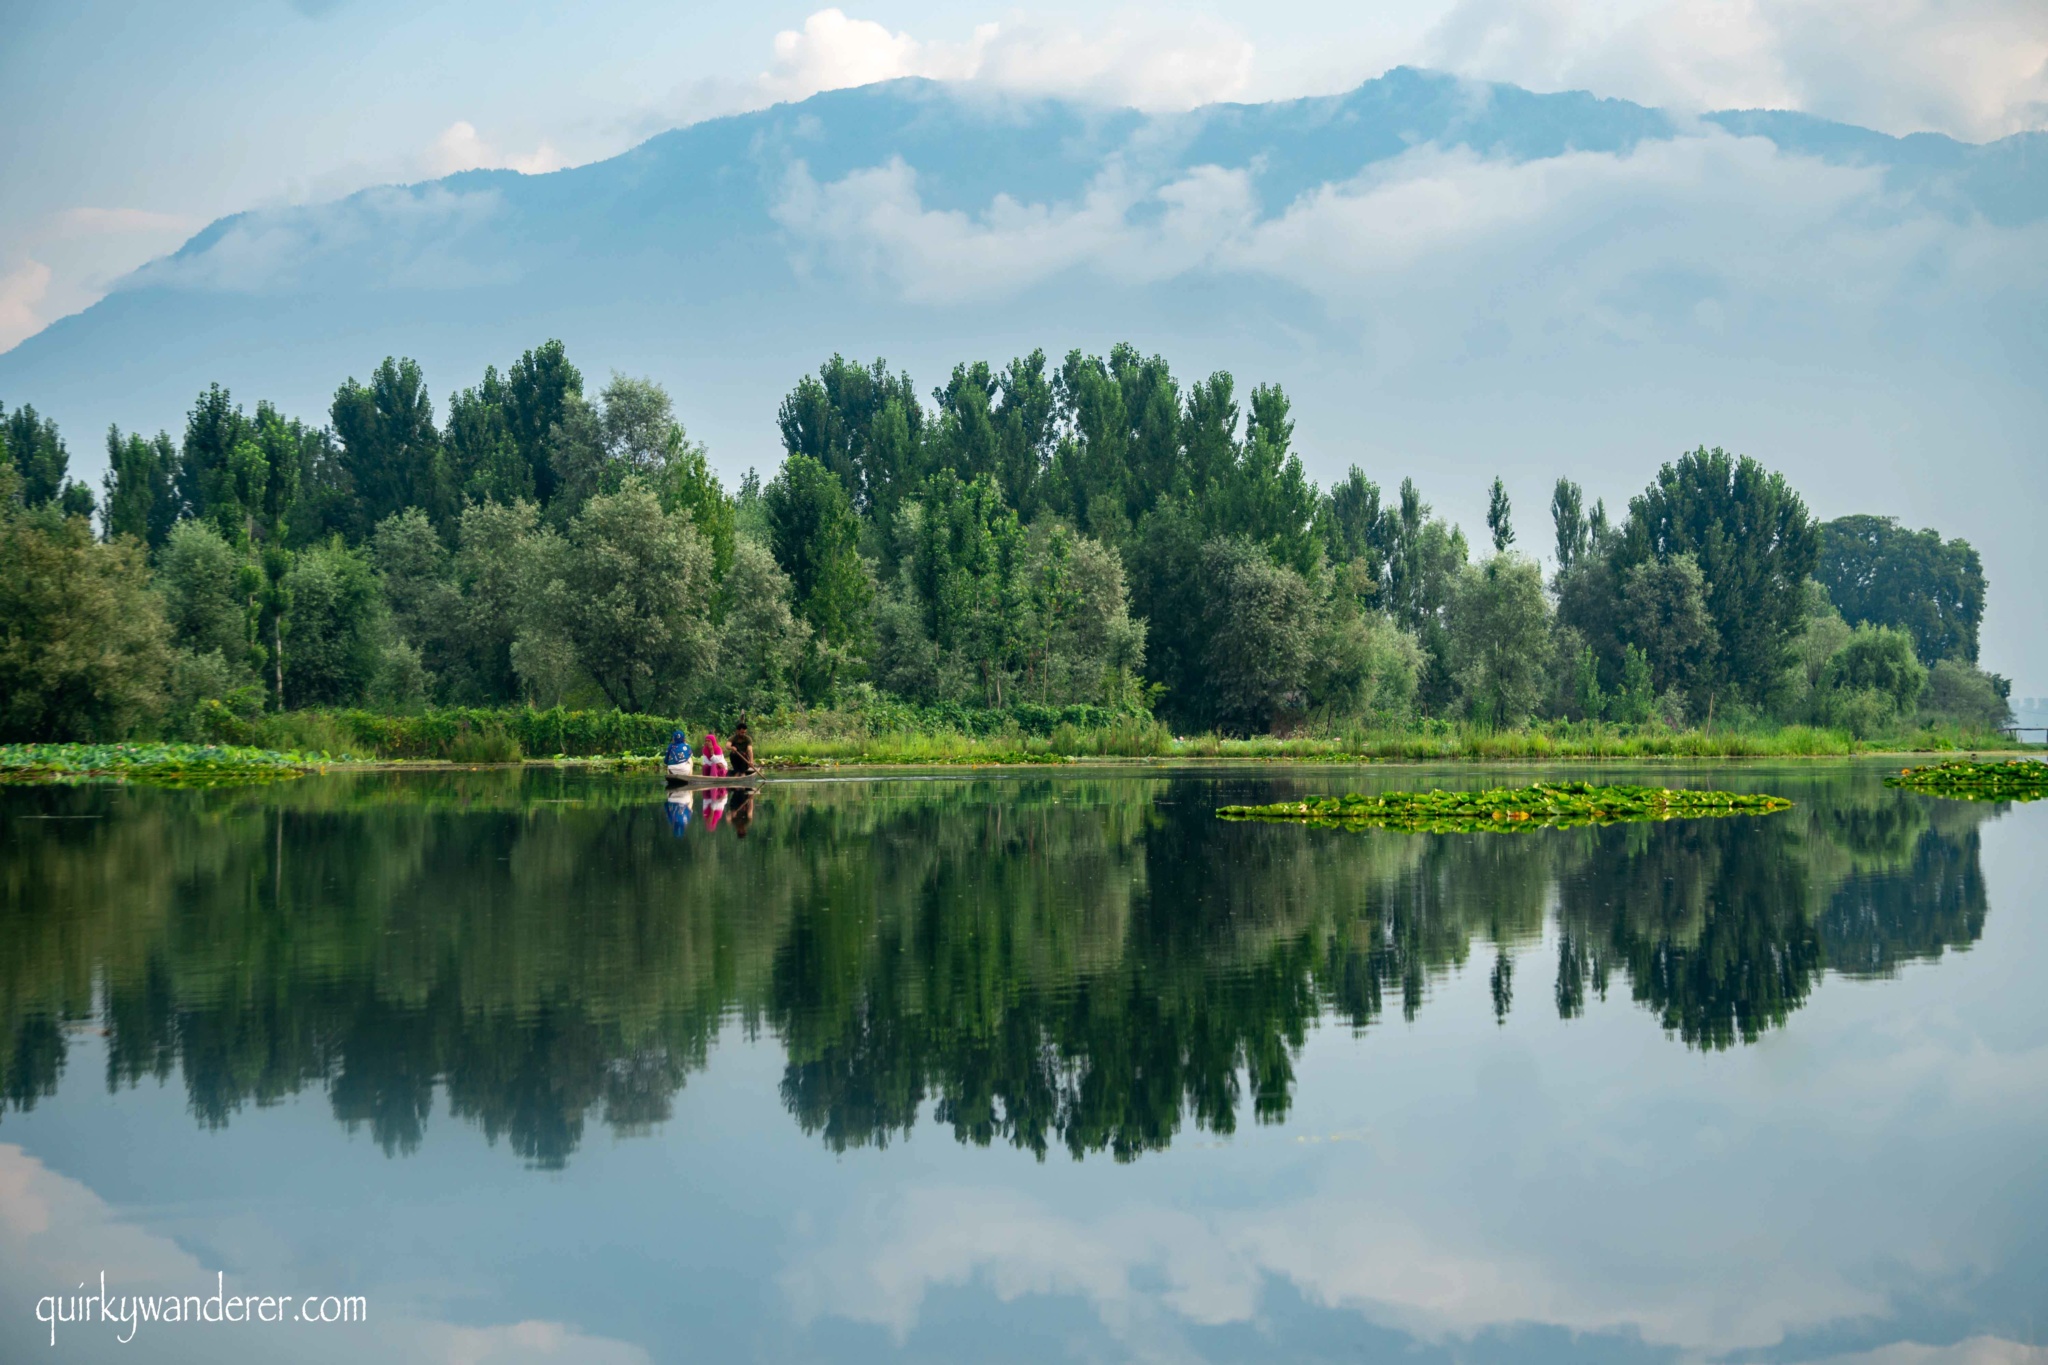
(740, 753)
(714, 756)
(678, 750)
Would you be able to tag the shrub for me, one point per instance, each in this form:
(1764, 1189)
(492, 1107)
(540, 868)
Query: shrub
(83, 647)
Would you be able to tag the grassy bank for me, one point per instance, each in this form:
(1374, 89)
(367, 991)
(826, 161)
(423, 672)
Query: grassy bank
(289, 741)
(895, 734)
(1437, 744)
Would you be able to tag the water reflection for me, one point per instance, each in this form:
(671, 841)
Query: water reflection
(1078, 964)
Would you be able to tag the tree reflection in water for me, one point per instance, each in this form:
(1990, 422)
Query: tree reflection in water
(1084, 964)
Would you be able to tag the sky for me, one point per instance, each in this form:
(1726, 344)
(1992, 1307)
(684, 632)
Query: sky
(131, 126)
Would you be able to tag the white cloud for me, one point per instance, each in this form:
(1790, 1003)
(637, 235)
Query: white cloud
(21, 293)
(461, 148)
(56, 1234)
(1696, 233)
(889, 1256)
(1147, 1271)
(1977, 69)
(833, 52)
(1146, 62)
(874, 223)
(424, 236)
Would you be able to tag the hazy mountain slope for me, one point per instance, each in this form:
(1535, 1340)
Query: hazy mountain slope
(1453, 279)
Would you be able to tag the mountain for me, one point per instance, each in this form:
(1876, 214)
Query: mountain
(1453, 280)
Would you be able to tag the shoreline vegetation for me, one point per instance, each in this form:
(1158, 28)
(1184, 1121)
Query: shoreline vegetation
(160, 765)
(286, 745)
(1500, 810)
(1049, 560)
(2010, 780)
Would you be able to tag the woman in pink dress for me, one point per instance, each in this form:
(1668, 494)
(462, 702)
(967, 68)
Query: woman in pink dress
(714, 756)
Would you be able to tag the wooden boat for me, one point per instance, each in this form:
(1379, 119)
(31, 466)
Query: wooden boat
(685, 774)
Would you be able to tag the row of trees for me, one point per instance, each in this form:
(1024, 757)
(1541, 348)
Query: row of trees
(1095, 531)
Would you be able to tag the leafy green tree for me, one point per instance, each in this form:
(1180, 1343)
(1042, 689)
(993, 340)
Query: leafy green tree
(1424, 556)
(1878, 572)
(495, 564)
(1090, 483)
(761, 641)
(1824, 633)
(1635, 700)
(1261, 626)
(270, 509)
(1267, 498)
(416, 572)
(326, 505)
(213, 430)
(580, 461)
(964, 565)
(1500, 639)
(966, 443)
(639, 425)
(1879, 660)
(1498, 514)
(140, 485)
(1664, 612)
(815, 537)
(538, 393)
(864, 425)
(392, 446)
(631, 433)
(1208, 429)
(334, 635)
(1967, 697)
(199, 578)
(485, 463)
(83, 650)
(1026, 422)
(1352, 530)
(1755, 545)
(37, 453)
(1364, 667)
(687, 484)
(1077, 638)
(1568, 518)
(1588, 699)
(638, 598)
(1152, 403)
(1169, 592)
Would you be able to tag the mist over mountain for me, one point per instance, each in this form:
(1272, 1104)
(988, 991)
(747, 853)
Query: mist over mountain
(1453, 280)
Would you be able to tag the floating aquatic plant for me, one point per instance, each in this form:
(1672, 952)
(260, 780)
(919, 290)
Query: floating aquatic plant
(1545, 805)
(2013, 779)
(162, 765)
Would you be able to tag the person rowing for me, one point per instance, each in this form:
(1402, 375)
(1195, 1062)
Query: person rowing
(740, 754)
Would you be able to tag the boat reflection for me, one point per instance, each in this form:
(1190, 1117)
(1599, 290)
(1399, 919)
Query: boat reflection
(735, 806)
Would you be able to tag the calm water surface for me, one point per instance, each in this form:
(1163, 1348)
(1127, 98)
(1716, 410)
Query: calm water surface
(1024, 1067)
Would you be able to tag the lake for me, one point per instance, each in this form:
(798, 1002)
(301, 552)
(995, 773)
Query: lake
(1022, 1066)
